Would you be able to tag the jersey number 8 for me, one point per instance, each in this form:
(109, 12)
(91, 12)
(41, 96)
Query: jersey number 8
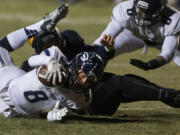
(35, 96)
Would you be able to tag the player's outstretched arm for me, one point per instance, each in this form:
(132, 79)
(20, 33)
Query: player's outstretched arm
(152, 64)
(169, 46)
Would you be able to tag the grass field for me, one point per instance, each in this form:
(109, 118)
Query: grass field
(89, 19)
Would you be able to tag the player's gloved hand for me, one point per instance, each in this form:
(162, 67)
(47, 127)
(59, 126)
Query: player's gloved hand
(108, 42)
(57, 113)
(140, 64)
(56, 71)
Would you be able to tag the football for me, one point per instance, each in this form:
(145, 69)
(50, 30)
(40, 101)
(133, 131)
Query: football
(41, 73)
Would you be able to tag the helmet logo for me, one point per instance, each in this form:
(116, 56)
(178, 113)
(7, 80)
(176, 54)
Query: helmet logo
(85, 56)
(143, 4)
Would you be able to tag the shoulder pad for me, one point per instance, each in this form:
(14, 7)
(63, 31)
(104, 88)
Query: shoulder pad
(166, 14)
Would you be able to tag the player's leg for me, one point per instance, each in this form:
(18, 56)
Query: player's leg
(135, 88)
(7, 69)
(126, 42)
(17, 38)
(112, 90)
(7, 72)
(48, 35)
(140, 89)
(106, 96)
(115, 89)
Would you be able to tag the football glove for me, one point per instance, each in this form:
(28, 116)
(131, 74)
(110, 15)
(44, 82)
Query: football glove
(152, 64)
(57, 113)
(55, 72)
(139, 64)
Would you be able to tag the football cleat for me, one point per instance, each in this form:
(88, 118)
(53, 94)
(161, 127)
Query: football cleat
(173, 100)
(52, 19)
(177, 99)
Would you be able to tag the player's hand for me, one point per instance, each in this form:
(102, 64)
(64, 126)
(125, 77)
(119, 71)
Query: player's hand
(57, 113)
(108, 42)
(55, 72)
(140, 64)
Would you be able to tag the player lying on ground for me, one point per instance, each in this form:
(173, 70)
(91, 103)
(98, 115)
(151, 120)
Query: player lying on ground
(112, 89)
(52, 82)
(148, 23)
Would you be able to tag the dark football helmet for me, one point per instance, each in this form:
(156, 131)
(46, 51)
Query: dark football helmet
(91, 63)
(147, 12)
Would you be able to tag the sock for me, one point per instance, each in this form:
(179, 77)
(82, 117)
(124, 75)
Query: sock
(19, 37)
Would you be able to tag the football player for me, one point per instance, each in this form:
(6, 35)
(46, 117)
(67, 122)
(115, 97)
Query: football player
(60, 83)
(126, 88)
(105, 99)
(145, 23)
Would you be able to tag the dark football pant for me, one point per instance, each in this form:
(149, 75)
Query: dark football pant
(115, 89)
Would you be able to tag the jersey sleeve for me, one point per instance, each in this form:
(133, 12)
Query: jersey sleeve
(173, 25)
(55, 53)
(119, 20)
(46, 56)
(101, 51)
(168, 48)
(38, 60)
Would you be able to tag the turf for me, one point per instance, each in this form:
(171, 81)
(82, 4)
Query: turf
(89, 19)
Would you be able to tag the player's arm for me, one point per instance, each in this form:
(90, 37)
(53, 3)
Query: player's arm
(54, 114)
(41, 59)
(34, 62)
(114, 27)
(168, 50)
(106, 51)
(58, 112)
(38, 60)
(50, 72)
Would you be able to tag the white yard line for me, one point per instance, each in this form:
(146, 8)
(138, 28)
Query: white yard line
(68, 21)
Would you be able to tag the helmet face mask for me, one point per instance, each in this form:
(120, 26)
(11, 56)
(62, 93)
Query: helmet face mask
(83, 80)
(147, 12)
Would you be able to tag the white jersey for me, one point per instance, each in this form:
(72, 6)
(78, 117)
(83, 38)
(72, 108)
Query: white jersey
(22, 93)
(122, 21)
(30, 96)
(23, 90)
